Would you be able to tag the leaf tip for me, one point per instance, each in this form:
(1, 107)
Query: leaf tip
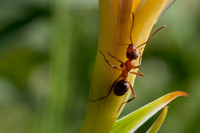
(181, 93)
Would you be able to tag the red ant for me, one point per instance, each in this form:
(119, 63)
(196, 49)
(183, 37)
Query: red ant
(121, 84)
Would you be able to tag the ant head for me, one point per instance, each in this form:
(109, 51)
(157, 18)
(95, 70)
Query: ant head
(132, 52)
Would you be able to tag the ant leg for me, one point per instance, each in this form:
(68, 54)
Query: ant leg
(109, 90)
(140, 60)
(131, 98)
(122, 63)
(138, 73)
(109, 62)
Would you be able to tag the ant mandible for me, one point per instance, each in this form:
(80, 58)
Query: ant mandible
(121, 84)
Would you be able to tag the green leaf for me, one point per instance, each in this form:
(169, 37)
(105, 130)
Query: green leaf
(134, 120)
(158, 123)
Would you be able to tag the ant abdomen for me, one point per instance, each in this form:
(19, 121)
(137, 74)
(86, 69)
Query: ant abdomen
(121, 88)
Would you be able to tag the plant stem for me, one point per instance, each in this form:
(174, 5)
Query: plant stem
(53, 117)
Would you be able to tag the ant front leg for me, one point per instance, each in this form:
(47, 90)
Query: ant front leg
(140, 60)
(109, 62)
(109, 90)
(131, 98)
(122, 63)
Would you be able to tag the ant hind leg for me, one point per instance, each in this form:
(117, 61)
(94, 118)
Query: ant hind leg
(129, 99)
(108, 92)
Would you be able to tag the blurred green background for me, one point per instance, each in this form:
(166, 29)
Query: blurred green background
(47, 56)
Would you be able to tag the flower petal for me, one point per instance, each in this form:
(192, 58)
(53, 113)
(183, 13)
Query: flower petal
(146, 17)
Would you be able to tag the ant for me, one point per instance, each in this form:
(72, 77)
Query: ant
(121, 84)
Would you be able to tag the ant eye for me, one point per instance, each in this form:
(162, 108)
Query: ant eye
(132, 55)
(127, 54)
(135, 55)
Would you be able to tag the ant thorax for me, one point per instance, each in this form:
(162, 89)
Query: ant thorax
(129, 64)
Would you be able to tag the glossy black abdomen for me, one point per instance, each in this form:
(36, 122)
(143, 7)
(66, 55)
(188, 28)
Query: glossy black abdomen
(121, 88)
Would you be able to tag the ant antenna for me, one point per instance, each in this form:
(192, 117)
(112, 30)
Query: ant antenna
(122, 44)
(151, 36)
(132, 28)
(130, 32)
